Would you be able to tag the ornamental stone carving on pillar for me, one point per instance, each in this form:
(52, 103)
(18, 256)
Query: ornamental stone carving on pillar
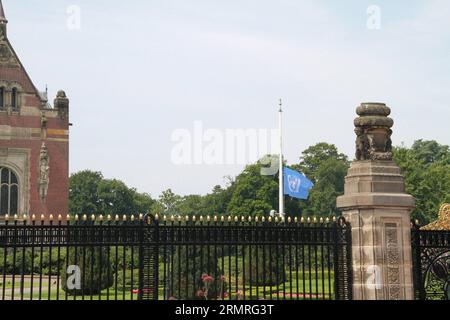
(44, 169)
(378, 209)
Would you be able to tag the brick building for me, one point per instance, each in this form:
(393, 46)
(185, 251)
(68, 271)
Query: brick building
(34, 141)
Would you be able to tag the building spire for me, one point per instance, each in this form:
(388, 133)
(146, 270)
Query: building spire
(2, 14)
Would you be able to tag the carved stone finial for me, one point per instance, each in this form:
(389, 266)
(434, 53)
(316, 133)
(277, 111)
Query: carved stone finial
(373, 131)
(61, 103)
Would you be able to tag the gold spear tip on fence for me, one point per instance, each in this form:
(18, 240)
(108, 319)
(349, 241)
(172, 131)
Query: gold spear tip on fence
(270, 219)
(216, 219)
(141, 217)
(84, 217)
(222, 219)
(50, 217)
(236, 219)
(132, 218)
(109, 218)
(296, 219)
(16, 217)
(76, 217)
(186, 218)
(208, 218)
(201, 218)
(334, 219)
(327, 220)
(321, 220)
(263, 219)
(60, 217)
(157, 217)
(42, 217)
(230, 219)
(180, 218)
(33, 217)
(249, 219)
(289, 220)
(194, 218)
(417, 222)
(302, 220)
(100, 217)
(315, 220)
(93, 217)
(276, 219)
(116, 218)
(309, 220)
(25, 217)
(256, 219)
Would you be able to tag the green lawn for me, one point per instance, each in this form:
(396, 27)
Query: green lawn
(298, 285)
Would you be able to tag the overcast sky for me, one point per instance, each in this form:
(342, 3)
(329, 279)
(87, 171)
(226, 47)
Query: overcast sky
(137, 71)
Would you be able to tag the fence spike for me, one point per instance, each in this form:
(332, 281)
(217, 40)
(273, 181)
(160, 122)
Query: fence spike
(50, 217)
(334, 219)
(315, 220)
(42, 217)
(33, 217)
(132, 218)
(194, 218)
(256, 219)
(222, 219)
(172, 218)
(93, 217)
(215, 219)
(84, 217)
(296, 219)
(141, 217)
(417, 222)
(327, 220)
(270, 219)
(309, 220)
(289, 220)
(321, 220)
(249, 219)
(100, 217)
(16, 217)
(76, 217)
(230, 219)
(60, 217)
(236, 219)
(276, 219)
(6, 216)
(25, 217)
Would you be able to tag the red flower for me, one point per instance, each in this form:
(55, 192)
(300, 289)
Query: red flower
(200, 293)
(208, 279)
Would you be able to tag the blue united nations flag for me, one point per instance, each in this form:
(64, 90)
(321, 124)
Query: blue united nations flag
(296, 184)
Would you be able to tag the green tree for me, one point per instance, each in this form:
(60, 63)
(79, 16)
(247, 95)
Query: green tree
(90, 193)
(253, 194)
(115, 198)
(426, 169)
(167, 203)
(313, 157)
(83, 196)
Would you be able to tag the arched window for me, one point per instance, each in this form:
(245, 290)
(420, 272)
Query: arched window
(2, 98)
(14, 98)
(9, 192)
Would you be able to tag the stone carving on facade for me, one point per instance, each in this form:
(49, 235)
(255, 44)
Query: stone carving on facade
(392, 262)
(444, 219)
(44, 169)
(373, 131)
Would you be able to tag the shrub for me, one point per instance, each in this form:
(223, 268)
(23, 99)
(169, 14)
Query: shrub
(267, 267)
(94, 271)
(199, 279)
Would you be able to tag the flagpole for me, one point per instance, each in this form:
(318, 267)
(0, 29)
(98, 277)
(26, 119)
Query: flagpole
(281, 182)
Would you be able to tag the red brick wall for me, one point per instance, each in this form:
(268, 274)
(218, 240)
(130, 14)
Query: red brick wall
(57, 197)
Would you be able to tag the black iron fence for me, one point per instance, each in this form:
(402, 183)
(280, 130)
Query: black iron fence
(214, 258)
(431, 260)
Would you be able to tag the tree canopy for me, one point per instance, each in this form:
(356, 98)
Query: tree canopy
(426, 167)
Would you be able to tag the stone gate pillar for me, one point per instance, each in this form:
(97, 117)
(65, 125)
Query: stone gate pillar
(378, 208)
